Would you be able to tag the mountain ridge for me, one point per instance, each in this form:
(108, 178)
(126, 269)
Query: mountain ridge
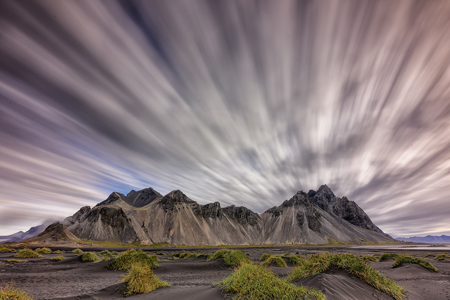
(314, 217)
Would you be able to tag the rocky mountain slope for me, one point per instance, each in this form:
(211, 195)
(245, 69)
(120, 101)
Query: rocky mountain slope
(315, 217)
(55, 233)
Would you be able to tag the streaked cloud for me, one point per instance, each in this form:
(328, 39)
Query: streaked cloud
(242, 102)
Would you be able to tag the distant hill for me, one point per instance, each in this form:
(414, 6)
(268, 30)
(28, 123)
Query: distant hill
(54, 233)
(316, 217)
(19, 236)
(426, 239)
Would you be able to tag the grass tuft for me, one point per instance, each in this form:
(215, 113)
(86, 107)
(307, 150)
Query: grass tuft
(442, 257)
(386, 256)
(78, 251)
(274, 260)
(27, 253)
(140, 280)
(296, 260)
(264, 256)
(59, 252)
(352, 264)
(115, 253)
(258, 283)
(9, 292)
(368, 258)
(15, 260)
(205, 256)
(405, 259)
(221, 253)
(88, 257)
(125, 260)
(236, 258)
(58, 258)
(43, 250)
(4, 249)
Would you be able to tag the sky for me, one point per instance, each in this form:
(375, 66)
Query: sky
(241, 102)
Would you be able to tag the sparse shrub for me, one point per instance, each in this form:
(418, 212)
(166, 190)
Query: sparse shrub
(4, 249)
(441, 257)
(15, 260)
(59, 252)
(204, 256)
(352, 264)
(77, 251)
(264, 256)
(274, 260)
(9, 292)
(58, 258)
(88, 257)
(236, 258)
(221, 253)
(43, 250)
(125, 260)
(140, 279)
(27, 253)
(174, 258)
(386, 256)
(115, 253)
(258, 283)
(105, 252)
(404, 259)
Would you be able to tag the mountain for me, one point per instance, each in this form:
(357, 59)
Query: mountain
(19, 236)
(426, 239)
(315, 217)
(54, 233)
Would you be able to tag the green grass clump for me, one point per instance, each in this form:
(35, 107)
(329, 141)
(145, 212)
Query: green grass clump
(204, 256)
(78, 251)
(221, 253)
(59, 252)
(88, 257)
(115, 253)
(264, 256)
(125, 260)
(10, 293)
(183, 254)
(27, 253)
(4, 249)
(368, 258)
(442, 257)
(258, 283)
(353, 265)
(386, 256)
(140, 280)
(15, 260)
(274, 260)
(58, 258)
(105, 252)
(296, 260)
(236, 258)
(43, 250)
(405, 259)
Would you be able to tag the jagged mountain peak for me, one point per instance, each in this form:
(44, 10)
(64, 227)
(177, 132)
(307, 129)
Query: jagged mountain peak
(142, 198)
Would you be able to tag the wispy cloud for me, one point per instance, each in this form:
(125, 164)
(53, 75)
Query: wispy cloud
(242, 102)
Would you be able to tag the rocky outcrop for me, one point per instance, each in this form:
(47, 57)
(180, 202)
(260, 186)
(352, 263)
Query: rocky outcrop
(55, 233)
(315, 217)
(342, 208)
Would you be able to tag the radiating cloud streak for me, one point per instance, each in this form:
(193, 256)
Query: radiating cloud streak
(242, 102)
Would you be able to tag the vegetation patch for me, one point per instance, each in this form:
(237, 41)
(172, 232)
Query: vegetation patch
(274, 260)
(115, 253)
(264, 256)
(88, 257)
(15, 260)
(78, 251)
(236, 258)
(386, 256)
(368, 258)
(43, 250)
(27, 253)
(258, 283)
(125, 260)
(58, 258)
(353, 265)
(9, 292)
(405, 259)
(4, 249)
(140, 280)
(221, 253)
(296, 260)
(59, 252)
(442, 257)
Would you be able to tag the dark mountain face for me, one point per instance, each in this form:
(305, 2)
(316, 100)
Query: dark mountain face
(314, 217)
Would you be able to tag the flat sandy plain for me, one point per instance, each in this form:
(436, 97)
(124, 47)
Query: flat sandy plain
(193, 278)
